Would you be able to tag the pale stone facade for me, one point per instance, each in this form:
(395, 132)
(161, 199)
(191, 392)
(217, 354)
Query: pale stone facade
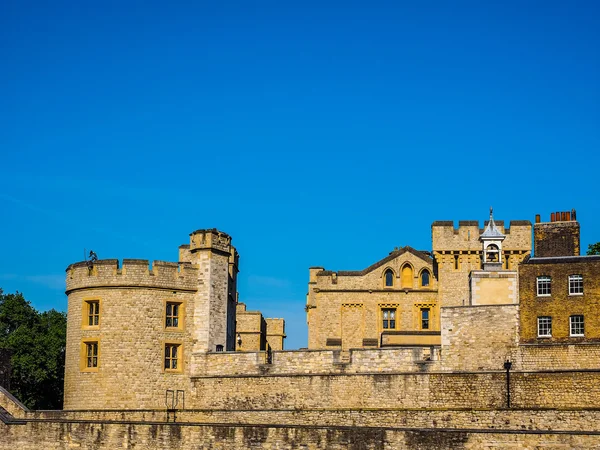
(392, 302)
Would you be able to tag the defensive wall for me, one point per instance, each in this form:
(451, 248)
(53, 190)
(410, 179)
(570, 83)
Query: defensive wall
(394, 428)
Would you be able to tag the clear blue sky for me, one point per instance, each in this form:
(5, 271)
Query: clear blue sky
(314, 133)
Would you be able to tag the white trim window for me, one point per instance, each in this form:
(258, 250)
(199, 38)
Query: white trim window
(544, 324)
(544, 286)
(575, 285)
(576, 326)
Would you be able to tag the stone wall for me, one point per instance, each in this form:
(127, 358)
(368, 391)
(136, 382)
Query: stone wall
(131, 338)
(478, 337)
(565, 389)
(294, 362)
(51, 435)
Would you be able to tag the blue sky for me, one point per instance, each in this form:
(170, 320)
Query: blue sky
(316, 134)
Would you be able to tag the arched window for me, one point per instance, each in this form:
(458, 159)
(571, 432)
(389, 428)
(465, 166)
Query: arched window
(389, 278)
(425, 278)
(407, 276)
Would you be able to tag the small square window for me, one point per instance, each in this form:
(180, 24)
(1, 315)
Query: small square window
(544, 286)
(576, 326)
(575, 285)
(388, 316)
(544, 326)
(173, 357)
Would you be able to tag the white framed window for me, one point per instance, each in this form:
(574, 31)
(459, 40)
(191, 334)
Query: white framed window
(544, 286)
(576, 326)
(544, 326)
(575, 285)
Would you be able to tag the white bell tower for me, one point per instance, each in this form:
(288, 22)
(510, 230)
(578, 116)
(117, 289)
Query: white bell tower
(491, 239)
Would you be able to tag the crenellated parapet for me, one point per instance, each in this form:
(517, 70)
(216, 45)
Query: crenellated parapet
(445, 237)
(210, 239)
(133, 273)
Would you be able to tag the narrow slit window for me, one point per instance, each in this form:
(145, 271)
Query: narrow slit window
(425, 318)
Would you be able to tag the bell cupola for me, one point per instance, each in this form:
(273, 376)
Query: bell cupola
(491, 239)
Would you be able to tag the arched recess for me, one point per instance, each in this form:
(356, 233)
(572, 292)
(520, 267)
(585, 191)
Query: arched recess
(407, 276)
(425, 278)
(388, 278)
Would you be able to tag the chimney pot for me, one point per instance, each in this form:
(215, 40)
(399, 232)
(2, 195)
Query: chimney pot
(537, 218)
(551, 217)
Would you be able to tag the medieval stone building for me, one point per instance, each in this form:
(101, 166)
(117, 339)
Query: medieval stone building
(444, 349)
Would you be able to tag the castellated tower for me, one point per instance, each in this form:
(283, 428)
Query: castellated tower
(459, 251)
(132, 328)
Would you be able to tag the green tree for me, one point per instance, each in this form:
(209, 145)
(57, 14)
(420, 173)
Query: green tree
(37, 342)
(594, 249)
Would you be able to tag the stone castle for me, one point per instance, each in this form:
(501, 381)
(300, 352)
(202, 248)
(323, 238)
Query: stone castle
(473, 344)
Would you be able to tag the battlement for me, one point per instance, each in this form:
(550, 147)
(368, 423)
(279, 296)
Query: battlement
(132, 273)
(210, 239)
(315, 362)
(445, 237)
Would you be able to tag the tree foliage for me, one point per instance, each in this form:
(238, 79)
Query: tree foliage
(37, 343)
(594, 249)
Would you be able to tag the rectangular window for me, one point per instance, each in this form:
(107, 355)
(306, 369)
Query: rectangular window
(389, 318)
(544, 286)
(425, 318)
(91, 355)
(173, 357)
(575, 285)
(93, 313)
(172, 316)
(576, 326)
(545, 326)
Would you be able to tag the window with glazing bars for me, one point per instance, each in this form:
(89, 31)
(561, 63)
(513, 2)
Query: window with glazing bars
(93, 313)
(91, 354)
(576, 325)
(575, 284)
(389, 318)
(544, 286)
(171, 356)
(172, 315)
(544, 326)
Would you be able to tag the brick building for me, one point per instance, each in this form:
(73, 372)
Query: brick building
(559, 289)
